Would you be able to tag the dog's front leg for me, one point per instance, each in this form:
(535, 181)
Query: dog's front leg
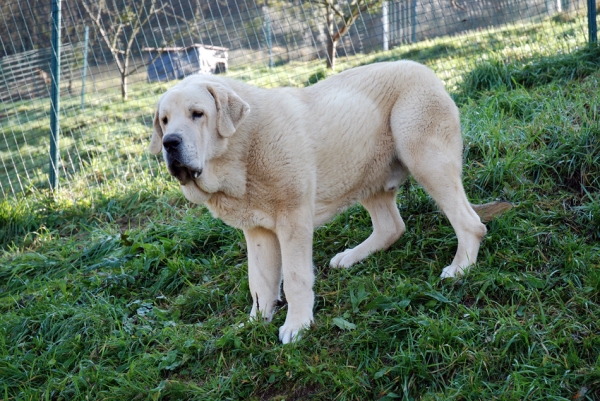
(264, 271)
(295, 234)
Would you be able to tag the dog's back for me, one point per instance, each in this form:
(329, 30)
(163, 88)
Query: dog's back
(348, 118)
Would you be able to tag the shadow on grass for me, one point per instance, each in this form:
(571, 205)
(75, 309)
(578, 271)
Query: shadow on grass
(421, 54)
(73, 208)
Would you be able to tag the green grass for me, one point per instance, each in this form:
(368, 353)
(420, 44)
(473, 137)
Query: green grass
(125, 291)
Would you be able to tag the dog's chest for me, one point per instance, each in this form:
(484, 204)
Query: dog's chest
(238, 212)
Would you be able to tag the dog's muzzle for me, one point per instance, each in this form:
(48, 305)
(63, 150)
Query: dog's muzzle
(177, 162)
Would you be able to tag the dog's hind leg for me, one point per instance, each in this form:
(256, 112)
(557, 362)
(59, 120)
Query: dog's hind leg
(387, 228)
(429, 144)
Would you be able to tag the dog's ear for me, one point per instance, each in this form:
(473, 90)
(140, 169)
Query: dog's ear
(156, 141)
(231, 109)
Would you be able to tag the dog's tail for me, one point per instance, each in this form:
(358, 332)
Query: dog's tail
(489, 211)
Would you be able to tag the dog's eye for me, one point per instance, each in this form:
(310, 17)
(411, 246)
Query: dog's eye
(165, 120)
(197, 114)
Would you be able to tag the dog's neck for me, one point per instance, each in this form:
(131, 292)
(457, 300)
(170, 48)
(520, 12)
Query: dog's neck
(230, 170)
(232, 177)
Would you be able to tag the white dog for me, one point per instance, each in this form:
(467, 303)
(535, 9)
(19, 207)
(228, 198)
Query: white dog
(277, 163)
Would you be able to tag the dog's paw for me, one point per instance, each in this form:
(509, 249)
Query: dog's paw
(338, 260)
(452, 271)
(289, 333)
(347, 258)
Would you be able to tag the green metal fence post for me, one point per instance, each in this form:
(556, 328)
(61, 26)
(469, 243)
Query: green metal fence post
(268, 34)
(55, 94)
(86, 38)
(592, 23)
(385, 24)
(413, 16)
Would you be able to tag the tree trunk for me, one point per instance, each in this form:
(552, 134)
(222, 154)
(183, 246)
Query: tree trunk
(124, 74)
(331, 46)
(123, 86)
(331, 43)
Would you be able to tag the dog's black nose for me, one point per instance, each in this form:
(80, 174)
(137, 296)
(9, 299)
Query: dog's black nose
(171, 142)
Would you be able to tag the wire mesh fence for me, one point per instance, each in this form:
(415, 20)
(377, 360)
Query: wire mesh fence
(111, 79)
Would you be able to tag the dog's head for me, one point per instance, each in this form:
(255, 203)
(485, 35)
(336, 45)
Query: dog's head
(192, 125)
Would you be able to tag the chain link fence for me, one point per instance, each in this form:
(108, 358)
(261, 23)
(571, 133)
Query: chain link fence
(118, 56)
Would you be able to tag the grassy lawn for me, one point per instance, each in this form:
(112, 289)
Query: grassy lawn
(125, 291)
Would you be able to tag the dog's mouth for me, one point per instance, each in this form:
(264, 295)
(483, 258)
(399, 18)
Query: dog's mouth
(184, 173)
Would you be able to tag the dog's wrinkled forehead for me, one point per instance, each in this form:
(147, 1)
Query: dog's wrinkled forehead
(186, 99)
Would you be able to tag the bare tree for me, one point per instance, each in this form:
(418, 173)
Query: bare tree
(341, 15)
(118, 25)
(455, 4)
